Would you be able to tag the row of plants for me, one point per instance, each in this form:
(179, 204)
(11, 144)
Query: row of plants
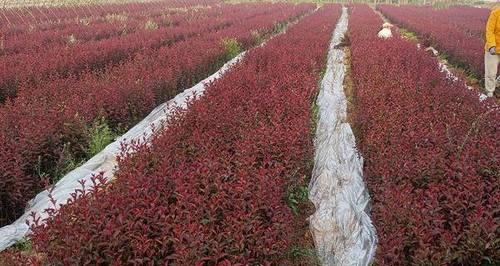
(16, 20)
(45, 131)
(33, 69)
(431, 153)
(212, 187)
(81, 30)
(63, 59)
(463, 47)
(38, 19)
(470, 19)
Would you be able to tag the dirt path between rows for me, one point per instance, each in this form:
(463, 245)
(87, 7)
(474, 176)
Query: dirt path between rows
(350, 92)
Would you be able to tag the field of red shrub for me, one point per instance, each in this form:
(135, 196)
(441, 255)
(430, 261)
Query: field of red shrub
(111, 25)
(431, 152)
(471, 20)
(47, 123)
(211, 188)
(35, 67)
(458, 32)
(24, 19)
(215, 186)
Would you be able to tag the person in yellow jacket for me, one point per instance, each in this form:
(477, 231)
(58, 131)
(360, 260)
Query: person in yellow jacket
(492, 57)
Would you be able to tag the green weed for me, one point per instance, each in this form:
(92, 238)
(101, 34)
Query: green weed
(314, 118)
(257, 36)
(409, 34)
(100, 135)
(66, 163)
(297, 253)
(296, 196)
(279, 27)
(23, 245)
(232, 47)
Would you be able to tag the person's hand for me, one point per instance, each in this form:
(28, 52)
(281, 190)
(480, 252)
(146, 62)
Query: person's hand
(493, 50)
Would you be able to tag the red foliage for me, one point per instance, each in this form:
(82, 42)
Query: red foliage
(210, 189)
(431, 154)
(459, 32)
(46, 120)
(35, 68)
(20, 258)
(12, 180)
(100, 28)
(25, 19)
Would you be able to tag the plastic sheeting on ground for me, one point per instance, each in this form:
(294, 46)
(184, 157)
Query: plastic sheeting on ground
(342, 229)
(105, 161)
(443, 65)
(444, 68)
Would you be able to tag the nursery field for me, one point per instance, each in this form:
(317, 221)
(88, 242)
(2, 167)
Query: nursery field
(431, 154)
(54, 99)
(457, 32)
(187, 132)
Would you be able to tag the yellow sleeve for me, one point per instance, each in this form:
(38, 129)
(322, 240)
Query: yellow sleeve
(490, 30)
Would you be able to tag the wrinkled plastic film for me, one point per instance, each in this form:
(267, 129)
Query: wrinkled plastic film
(443, 67)
(104, 161)
(341, 226)
(449, 75)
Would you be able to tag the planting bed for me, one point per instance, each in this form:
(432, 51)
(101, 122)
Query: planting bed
(211, 189)
(73, 60)
(223, 180)
(431, 153)
(45, 130)
(459, 32)
(110, 25)
(15, 20)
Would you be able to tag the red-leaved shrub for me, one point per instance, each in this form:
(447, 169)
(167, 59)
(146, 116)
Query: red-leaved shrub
(48, 121)
(30, 18)
(20, 258)
(459, 32)
(36, 68)
(211, 188)
(109, 22)
(431, 153)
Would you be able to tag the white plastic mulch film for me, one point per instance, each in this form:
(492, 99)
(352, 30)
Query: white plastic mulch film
(342, 229)
(105, 161)
(443, 66)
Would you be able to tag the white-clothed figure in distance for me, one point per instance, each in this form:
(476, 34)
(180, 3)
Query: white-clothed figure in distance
(385, 32)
